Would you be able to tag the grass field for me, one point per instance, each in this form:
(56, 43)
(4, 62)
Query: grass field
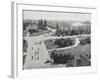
(50, 44)
(80, 49)
(79, 52)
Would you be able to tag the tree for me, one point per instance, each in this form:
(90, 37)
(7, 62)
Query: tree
(40, 23)
(45, 23)
(85, 41)
(44, 26)
(58, 30)
(25, 45)
(64, 42)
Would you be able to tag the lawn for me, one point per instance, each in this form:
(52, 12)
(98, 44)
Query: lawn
(50, 44)
(59, 43)
(80, 53)
(80, 49)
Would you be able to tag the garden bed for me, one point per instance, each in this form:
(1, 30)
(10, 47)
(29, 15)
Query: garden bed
(59, 43)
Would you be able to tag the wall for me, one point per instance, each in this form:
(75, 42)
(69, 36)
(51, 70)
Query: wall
(5, 39)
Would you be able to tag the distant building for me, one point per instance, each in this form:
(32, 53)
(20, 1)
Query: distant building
(32, 27)
(76, 24)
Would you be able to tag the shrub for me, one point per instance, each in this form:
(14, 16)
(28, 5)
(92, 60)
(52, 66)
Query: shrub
(62, 58)
(64, 42)
(85, 41)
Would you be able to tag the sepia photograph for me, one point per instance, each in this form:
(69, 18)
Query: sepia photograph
(56, 39)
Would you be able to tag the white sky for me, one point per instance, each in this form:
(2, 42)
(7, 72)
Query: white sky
(34, 15)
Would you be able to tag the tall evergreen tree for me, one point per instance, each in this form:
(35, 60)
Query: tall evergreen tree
(41, 21)
(57, 26)
(58, 30)
(45, 23)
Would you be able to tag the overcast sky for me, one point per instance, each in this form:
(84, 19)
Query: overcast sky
(34, 15)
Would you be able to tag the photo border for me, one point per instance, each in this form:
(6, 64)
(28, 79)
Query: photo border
(16, 58)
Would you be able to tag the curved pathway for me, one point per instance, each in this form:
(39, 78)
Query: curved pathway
(75, 36)
(76, 43)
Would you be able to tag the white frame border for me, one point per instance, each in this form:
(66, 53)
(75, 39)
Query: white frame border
(16, 70)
